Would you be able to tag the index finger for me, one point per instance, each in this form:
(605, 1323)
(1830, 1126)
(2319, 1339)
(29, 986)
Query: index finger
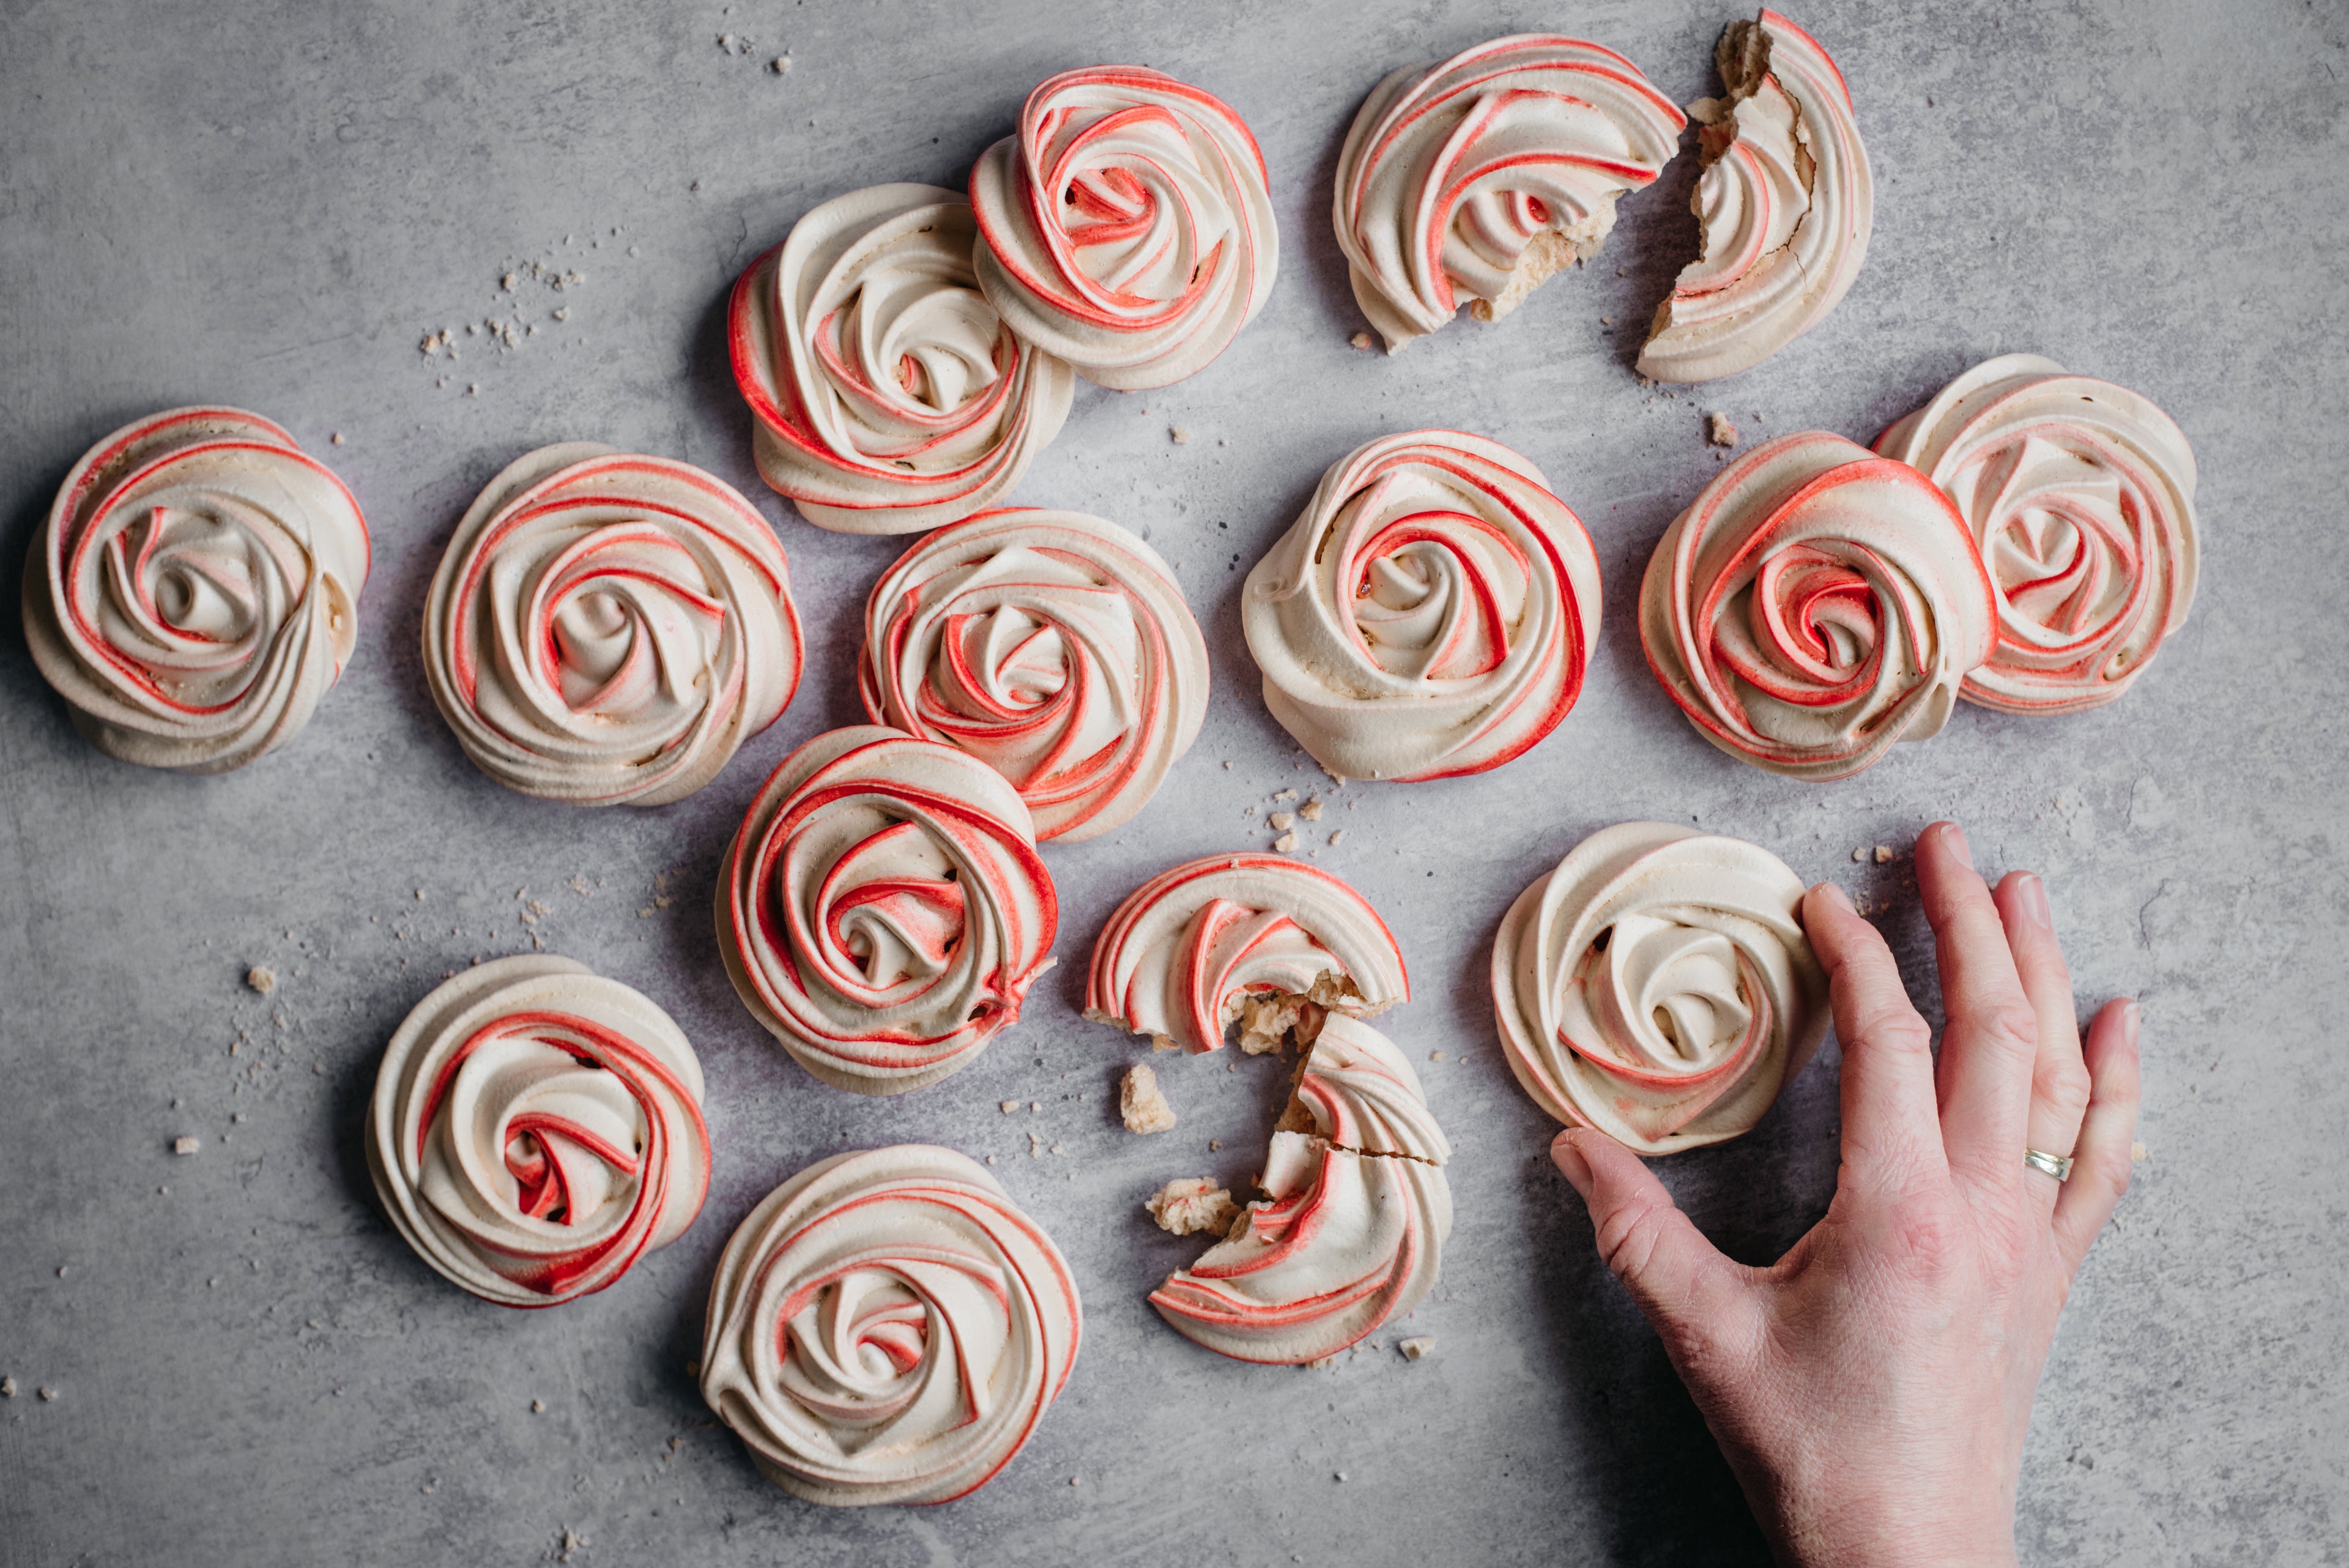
(1991, 1034)
(1890, 1135)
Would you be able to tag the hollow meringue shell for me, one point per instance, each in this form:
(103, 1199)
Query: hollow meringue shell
(883, 910)
(1785, 203)
(608, 629)
(2080, 496)
(1183, 950)
(1431, 613)
(1054, 646)
(194, 591)
(1656, 985)
(886, 395)
(1453, 172)
(887, 1326)
(1126, 227)
(537, 1128)
(1814, 604)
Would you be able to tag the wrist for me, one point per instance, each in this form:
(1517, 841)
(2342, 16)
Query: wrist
(1921, 1525)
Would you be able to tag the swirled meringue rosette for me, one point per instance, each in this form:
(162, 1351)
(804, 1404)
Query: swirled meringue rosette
(1431, 613)
(883, 909)
(886, 395)
(194, 591)
(1126, 227)
(1351, 1233)
(2080, 494)
(1479, 178)
(1786, 205)
(1814, 604)
(1053, 646)
(1658, 986)
(608, 629)
(1270, 943)
(537, 1128)
(887, 1326)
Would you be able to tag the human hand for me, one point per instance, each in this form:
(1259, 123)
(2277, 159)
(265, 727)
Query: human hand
(1872, 1388)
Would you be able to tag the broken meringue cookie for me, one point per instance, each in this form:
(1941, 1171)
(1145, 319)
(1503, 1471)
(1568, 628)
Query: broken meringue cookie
(1480, 177)
(1190, 1204)
(1786, 204)
(1658, 985)
(1351, 1234)
(1265, 942)
(1142, 1104)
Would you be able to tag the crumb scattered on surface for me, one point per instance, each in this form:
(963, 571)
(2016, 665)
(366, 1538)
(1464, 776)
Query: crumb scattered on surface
(1190, 1204)
(781, 66)
(1311, 810)
(1361, 341)
(1139, 1103)
(538, 1407)
(990, 1159)
(1009, 1107)
(1335, 836)
(1435, 1056)
(1215, 1144)
(263, 979)
(1719, 430)
(1281, 819)
(1327, 1361)
(1859, 854)
(1884, 855)
(2137, 1154)
(49, 1393)
(186, 1144)
(7, 1388)
(1035, 1104)
(1179, 435)
(1416, 1346)
(1285, 795)
(1286, 843)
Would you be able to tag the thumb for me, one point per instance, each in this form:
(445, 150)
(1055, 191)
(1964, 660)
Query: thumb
(1686, 1288)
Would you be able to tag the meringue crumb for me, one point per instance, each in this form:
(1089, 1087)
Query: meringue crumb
(262, 978)
(1190, 1204)
(1281, 820)
(337, 438)
(781, 66)
(1140, 1105)
(186, 1144)
(990, 1159)
(1884, 855)
(1217, 1144)
(1227, 767)
(1248, 811)
(1286, 794)
(1605, 321)
(1335, 836)
(1416, 1346)
(2137, 1154)
(1311, 810)
(1286, 843)
(49, 1393)
(1361, 341)
(538, 1407)
(1339, 1474)
(1435, 1056)
(1179, 435)
(1009, 1107)
(1859, 854)
(1035, 1106)
(7, 1388)
(1074, 1481)
(1327, 1361)
(1719, 430)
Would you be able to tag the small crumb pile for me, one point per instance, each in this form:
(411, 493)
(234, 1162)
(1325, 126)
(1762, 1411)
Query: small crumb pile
(262, 978)
(1719, 430)
(1190, 1204)
(1141, 1105)
(1416, 1346)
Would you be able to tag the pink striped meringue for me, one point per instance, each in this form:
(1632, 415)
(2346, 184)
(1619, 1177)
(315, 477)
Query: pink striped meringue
(883, 910)
(537, 1128)
(886, 395)
(1053, 646)
(1430, 612)
(887, 1326)
(1351, 1235)
(1658, 986)
(194, 591)
(1814, 604)
(1786, 203)
(1126, 227)
(2081, 498)
(1480, 177)
(1270, 943)
(608, 629)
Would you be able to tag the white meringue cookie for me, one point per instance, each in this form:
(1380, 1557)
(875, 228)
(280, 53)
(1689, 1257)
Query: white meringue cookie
(1351, 1235)
(887, 1326)
(883, 910)
(1430, 612)
(1786, 203)
(2080, 494)
(1480, 177)
(1053, 646)
(1658, 986)
(537, 1128)
(1814, 604)
(608, 629)
(886, 395)
(1126, 227)
(195, 589)
(1258, 939)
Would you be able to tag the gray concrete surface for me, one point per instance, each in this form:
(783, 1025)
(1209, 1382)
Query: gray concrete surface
(269, 203)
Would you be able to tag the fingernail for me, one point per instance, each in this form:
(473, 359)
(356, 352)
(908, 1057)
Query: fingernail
(1954, 838)
(1570, 1163)
(2131, 1016)
(1835, 895)
(2030, 900)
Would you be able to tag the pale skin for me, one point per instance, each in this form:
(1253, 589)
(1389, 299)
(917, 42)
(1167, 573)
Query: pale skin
(1872, 1388)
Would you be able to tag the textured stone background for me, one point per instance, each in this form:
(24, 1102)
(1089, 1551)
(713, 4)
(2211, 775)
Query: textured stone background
(269, 203)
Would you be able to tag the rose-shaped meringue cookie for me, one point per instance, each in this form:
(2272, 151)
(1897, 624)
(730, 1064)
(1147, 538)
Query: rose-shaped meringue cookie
(883, 909)
(887, 1326)
(1431, 613)
(537, 1128)
(195, 589)
(1815, 604)
(1352, 1233)
(1053, 646)
(1482, 177)
(886, 395)
(1658, 986)
(1786, 203)
(2081, 498)
(608, 629)
(1126, 227)
(1271, 943)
